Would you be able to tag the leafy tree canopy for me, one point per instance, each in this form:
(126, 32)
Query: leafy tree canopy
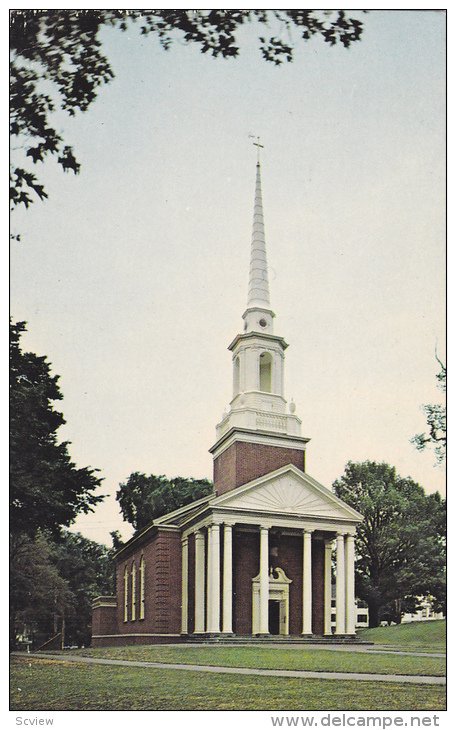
(53, 582)
(144, 498)
(58, 63)
(400, 545)
(47, 490)
(436, 422)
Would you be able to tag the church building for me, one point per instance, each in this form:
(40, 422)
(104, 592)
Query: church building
(254, 558)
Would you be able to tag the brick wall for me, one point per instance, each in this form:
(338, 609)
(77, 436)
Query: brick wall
(246, 551)
(104, 620)
(290, 560)
(162, 594)
(318, 595)
(241, 462)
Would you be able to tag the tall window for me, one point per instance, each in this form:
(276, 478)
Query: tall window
(236, 377)
(133, 591)
(126, 593)
(266, 372)
(142, 568)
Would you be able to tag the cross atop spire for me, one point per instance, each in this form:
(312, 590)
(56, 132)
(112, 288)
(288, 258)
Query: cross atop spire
(257, 145)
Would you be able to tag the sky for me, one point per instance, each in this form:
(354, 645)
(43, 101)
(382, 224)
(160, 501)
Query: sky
(133, 275)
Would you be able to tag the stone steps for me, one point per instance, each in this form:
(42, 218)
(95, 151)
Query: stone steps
(271, 639)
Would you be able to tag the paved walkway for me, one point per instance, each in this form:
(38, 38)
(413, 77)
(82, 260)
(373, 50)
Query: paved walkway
(295, 674)
(360, 648)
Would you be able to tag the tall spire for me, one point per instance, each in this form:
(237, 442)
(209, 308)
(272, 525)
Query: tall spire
(258, 281)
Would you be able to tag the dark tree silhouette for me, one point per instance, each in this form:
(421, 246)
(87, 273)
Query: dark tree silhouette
(58, 63)
(143, 499)
(47, 490)
(436, 421)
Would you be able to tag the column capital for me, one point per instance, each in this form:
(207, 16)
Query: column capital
(308, 530)
(199, 534)
(329, 544)
(264, 527)
(184, 539)
(340, 534)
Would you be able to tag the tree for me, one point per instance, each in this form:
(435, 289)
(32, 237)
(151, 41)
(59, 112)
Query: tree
(436, 421)
(39, 596)
(57, 62)
(400, 545)
(88, 569)
(47, 490)
(143, 499)
(53, 583)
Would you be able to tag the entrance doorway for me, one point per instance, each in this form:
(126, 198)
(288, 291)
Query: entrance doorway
(278, 603)
(274, 617)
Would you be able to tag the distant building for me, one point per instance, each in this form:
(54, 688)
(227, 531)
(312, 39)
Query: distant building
(254, 558)
(424, 613)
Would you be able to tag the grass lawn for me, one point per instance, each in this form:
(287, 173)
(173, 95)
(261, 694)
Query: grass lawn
(275, 658)
(45, 685)
(416, 636)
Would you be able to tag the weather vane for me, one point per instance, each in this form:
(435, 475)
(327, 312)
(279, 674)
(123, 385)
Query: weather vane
(257, 145)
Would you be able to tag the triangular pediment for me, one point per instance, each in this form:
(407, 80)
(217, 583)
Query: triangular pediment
(287, 491)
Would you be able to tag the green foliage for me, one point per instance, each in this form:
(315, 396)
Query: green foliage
(46, 489)
(400, 545)
(53, 582)
(39, 595)
(143, 499)
(88, 569)
(117, 541)
(57, 62)
(436, 422)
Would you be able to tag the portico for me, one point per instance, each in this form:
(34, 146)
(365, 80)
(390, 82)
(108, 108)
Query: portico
(287, 561)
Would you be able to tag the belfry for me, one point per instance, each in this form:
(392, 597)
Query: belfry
(255, 558)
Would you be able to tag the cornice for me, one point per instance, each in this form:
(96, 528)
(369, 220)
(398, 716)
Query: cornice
(257, 335)
(298, 442)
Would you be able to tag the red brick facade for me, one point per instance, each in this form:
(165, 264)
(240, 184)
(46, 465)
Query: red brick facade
(242, 462)
(162, 615)
(162, 556)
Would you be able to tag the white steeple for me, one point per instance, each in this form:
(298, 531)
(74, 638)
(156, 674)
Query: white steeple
(258, 402)
(258, 315)
(258, 281)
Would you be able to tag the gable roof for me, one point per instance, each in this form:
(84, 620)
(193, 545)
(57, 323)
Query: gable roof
(287, 491)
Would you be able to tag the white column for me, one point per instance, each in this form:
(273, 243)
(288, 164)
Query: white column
(264, 581)
(184, 628)
(199, 581)
(227, 618)
(213, 580)
(327, 588)
(307, 582)
(350, 585)
(340, 584)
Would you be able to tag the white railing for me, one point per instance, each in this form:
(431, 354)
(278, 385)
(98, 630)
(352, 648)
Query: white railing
(271, 421)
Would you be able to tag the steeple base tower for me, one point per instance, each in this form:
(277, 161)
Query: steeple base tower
(242, 455)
